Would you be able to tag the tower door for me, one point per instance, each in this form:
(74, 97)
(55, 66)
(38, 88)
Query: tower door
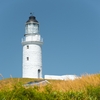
(39, 73)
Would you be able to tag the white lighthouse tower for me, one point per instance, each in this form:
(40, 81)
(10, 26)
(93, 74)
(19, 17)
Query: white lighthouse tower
(32, 53)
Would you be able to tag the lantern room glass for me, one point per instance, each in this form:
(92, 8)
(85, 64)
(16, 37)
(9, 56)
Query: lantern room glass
(32, 28)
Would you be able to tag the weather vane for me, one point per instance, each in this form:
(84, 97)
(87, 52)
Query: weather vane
(31, 14)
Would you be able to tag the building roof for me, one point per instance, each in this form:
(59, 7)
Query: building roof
(32, 19)
(37, 83)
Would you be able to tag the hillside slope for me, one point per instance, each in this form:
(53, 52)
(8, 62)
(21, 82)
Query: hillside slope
(85, 88)
(76, 84)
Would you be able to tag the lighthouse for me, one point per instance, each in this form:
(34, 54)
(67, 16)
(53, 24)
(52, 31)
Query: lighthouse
(32, 50)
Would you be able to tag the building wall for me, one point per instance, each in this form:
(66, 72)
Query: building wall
(63, 77)
(32, 61)
(33, 38)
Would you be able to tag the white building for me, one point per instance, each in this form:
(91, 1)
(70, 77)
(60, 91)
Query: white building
(32, 53)
(63, 77)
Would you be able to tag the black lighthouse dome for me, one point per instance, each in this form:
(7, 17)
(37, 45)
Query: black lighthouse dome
(32, 19)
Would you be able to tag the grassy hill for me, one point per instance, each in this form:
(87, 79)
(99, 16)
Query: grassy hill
(85, 88)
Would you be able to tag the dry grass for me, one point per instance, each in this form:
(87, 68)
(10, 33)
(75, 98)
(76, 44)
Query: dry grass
(77, 84)
(10, 82)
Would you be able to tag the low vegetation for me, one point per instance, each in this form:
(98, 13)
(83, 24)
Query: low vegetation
(85, 88)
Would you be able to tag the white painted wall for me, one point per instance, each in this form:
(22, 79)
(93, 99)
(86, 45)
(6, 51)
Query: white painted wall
(34, 54)
(31, 66)
(63, 77)
(33, 38)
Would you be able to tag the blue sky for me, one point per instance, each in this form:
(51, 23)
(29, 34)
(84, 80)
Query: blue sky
(70, 29)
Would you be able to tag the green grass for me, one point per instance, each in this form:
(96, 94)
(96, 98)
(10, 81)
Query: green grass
(85, 88)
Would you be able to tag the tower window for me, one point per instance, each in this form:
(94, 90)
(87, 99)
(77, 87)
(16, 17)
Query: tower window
(27, 46)
(27, 58)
